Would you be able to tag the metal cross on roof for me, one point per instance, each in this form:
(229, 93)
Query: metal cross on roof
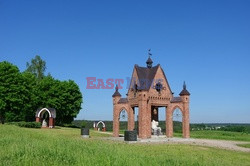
(149, 53)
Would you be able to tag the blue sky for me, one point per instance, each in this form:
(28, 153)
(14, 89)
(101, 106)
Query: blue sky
(206, 43)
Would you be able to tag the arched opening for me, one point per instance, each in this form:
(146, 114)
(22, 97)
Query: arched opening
(123, 121)
(45, 115)
(45, 118)
(162, 119)
(41, 112)
(177, 122)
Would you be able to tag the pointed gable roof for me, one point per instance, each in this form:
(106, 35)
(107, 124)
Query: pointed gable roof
(146, 75)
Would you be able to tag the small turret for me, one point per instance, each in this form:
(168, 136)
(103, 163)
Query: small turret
(116, 92)
(184, 91)
(116, 96)
(149, 62)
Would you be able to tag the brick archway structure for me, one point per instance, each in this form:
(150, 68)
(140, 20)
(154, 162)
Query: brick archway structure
(116, 117)
(52, 116)
(103, 125)
(149, 90)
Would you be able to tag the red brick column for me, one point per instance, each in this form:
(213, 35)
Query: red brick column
(51, 122)
(148, 121)
(186, 125)
(143, 117)
(116, 115)
(169, 121)
(37, 119)
(185, 117)
(131, 121)
(115, 123)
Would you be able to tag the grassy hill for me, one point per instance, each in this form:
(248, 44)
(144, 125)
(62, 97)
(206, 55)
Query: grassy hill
(64, 146)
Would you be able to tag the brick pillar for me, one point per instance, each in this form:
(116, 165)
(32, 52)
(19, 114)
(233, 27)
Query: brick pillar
(186, 125)
(185, 117)
(116, 115)
(51, 122)
(183, 124)
(169, 122)
(115, 123)
(149, 128)
(37, 119)
(143, 117)
(104, 129)
(131, 121)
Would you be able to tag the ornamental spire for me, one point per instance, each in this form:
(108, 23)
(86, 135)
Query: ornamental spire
(184, 85)
(149, 62)
(116, 92)
(184, 90)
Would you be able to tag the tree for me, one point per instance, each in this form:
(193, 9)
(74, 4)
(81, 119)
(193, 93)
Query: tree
(2, 108)
(13, 93)
(71, 100)
(30, 83)
(21, 94)
(37, 67)
(64, 96)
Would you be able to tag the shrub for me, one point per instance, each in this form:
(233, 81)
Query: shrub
(26, 124)
(69, 125)
(84, 124)
(235, 128)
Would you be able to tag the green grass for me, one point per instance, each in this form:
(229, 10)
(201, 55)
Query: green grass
(64, 146)
(244, 145)
(215, 134)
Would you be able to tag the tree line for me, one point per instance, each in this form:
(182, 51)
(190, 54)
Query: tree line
(123, 125)
(22, 93)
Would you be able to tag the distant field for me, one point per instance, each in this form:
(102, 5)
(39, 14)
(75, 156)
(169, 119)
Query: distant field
(215, 134)
(64, 146)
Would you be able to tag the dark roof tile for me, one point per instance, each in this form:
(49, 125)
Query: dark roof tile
(184, 92)
(116, 94)
(146, 76)
(123, 100)
(176, 100)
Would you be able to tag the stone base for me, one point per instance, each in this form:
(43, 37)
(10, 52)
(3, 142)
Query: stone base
(130, 142)
(156, 132)
(85, 136)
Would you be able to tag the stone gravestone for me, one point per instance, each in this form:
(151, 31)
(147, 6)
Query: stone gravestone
(44, 124)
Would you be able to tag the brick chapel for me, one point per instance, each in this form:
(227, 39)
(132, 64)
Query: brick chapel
(149, 89)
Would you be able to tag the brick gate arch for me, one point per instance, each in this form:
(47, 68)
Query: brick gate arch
(182, 119)
(103, 125)
(185, 120)
(116, 119)
(52, 116)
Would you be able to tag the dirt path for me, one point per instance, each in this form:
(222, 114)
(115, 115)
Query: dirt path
(222, 144)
